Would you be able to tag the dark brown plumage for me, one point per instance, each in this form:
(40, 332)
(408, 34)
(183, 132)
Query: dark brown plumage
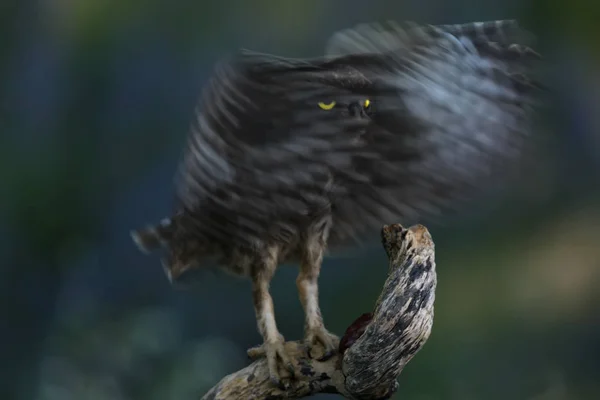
(287, 158)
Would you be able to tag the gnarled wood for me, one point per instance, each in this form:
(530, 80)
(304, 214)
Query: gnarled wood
(374, 349)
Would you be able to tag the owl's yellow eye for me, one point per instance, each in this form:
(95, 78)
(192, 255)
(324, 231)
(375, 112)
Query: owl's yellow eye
(329, 106)
(367, 103)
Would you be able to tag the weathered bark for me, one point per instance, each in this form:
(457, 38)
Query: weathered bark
(375, 348)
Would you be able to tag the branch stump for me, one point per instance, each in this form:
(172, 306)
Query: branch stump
(374, 349)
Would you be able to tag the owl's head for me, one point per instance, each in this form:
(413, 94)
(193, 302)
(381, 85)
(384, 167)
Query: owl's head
(338, 86)
(358, 107)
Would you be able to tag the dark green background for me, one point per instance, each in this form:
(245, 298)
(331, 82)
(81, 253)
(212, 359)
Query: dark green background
(96, 98)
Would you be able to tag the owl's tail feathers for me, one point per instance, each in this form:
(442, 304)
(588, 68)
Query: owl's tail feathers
(152, 237)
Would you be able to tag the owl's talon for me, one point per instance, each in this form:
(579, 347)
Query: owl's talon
(327, 355)
(276, 358)
(326, 340)
(291, 369)
(255, 353)
(275, 381)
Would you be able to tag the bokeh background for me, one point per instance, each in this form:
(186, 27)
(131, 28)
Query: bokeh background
(95, 100)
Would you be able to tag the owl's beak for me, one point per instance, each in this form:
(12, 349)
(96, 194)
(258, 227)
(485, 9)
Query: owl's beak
(356, 110)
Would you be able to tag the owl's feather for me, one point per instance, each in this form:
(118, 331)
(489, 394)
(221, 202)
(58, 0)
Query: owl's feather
(460, 104)
(261, 152)
(269, 176)
(451, 106)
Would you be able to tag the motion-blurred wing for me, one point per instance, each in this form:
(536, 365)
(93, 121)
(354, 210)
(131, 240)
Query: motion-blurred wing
(457, 101)
(260, 152)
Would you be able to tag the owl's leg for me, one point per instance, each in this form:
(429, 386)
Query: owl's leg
(308, 291)
(273, 342)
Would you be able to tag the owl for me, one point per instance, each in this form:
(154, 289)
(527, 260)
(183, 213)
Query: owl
(288, 159)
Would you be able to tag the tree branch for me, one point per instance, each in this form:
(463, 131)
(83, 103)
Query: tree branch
(375, 348)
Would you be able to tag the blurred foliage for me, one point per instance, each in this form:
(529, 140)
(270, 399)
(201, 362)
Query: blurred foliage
(574, 22)
(95, 100)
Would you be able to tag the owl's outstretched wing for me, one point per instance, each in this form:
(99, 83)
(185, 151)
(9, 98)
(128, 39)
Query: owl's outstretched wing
(458, 102)
(261, 152)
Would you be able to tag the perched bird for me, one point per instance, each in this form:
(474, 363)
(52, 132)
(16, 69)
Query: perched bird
(288, 158)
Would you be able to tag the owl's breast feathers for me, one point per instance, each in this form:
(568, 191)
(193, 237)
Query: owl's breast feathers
(451, 105)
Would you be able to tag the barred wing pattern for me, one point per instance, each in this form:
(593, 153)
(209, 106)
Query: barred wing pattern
(458, 101)
(261, 153)
(450, 107)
